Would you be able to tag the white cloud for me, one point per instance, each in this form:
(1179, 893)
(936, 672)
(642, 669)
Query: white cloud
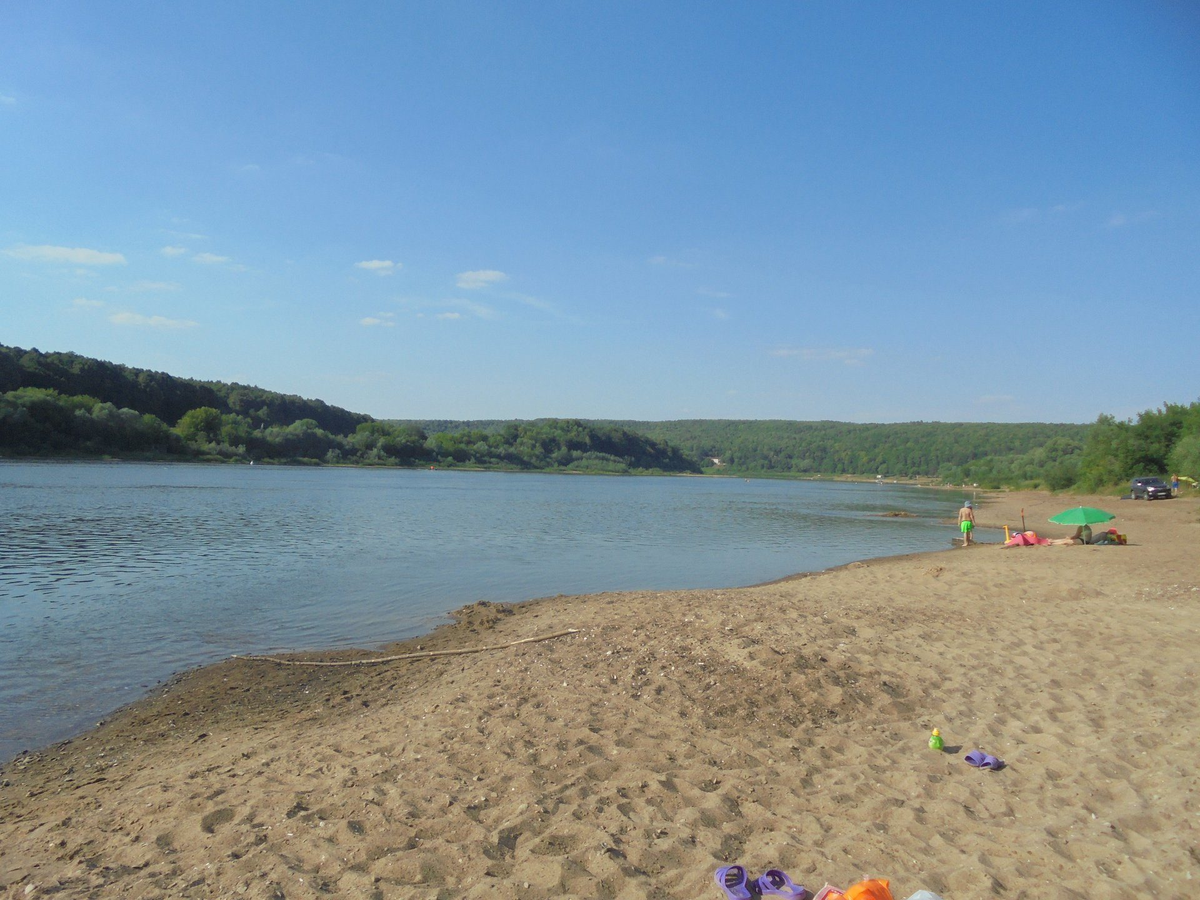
(716, 295)
(417, 306)
(379, 266)
(138, 320)
(211, 259)
(249, 169)
(481, 310)
(671, 261)
(720, 314)
(1119, 220)
(480, 278)
(76, 256)
(383, 319)
(7, 100)
(850, 357)
(173, 251)
(449, 315)
(85, 303)
(533, 302)
(155, 286)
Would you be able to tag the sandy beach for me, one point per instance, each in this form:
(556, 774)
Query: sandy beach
(783, 725)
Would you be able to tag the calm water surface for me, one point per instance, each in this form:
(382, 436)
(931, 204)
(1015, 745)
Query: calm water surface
(113, 576)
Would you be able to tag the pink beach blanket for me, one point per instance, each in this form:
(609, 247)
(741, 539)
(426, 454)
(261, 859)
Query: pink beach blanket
(1026, 539)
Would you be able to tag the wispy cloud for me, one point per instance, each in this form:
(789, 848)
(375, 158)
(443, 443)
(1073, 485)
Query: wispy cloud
(215, 259)
(248, 169)
(172, 250)
(1120, 220)
(850, 357)
(479, 310)
(379, 266)
(7, 100)
(716, 295)
(75, 256)
(379, 320)
(533, 302)
(720, 314)
(479, 278)
(669, 261)
(142, 286)
(85, 303)
(161, 322)
(419, 307)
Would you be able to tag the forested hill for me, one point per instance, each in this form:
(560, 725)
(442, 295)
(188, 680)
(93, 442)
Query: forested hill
(167, 397)
(1101, 456)
(902, 448)
(837, 448)
(64, 404)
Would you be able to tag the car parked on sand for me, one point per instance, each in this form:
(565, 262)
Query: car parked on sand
(1150, 488)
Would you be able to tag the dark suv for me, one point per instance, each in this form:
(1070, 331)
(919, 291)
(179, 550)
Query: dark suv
(1149, 489)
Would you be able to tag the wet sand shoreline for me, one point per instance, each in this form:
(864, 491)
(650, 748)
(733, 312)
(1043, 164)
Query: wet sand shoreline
(782, 724)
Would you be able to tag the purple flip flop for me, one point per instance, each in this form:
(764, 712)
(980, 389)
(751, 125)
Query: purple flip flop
(981, 760)
(732, 880)
(775, 883)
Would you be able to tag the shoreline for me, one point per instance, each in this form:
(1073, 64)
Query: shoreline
(777, 724)
(406, 644)
(394, 645)
(317, 464)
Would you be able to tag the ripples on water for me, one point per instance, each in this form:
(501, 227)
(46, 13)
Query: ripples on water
(112, 576)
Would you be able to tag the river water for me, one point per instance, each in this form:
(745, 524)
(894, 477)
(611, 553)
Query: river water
(115, 575)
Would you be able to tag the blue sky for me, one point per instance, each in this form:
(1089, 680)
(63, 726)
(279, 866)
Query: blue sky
(854, 211)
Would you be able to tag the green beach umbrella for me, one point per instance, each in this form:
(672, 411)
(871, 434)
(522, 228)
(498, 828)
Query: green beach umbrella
(1082, 515)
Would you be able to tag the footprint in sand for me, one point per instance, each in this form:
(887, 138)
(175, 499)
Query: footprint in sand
(215, 819)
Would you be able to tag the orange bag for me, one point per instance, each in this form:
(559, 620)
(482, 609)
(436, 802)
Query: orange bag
(875, 889)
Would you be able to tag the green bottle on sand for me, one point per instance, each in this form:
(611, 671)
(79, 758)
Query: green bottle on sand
(935, 740)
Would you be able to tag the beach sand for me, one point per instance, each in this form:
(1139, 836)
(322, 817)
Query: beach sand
(783, 725)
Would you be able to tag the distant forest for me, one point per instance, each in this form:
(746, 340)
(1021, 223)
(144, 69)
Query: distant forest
(1097, 457)
(64, 404)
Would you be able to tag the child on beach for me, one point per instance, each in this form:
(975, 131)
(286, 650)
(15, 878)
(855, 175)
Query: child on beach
(966, 522)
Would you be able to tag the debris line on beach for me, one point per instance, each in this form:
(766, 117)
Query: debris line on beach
(422, 654)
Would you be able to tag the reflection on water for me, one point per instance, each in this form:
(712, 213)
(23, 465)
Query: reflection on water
(112, 576)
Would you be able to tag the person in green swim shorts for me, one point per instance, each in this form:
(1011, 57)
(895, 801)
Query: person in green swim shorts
(966, 522)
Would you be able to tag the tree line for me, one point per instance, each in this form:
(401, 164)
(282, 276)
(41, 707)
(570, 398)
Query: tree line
(847, 448)
(66, 404)
(164, 396)
(63, 404)
(1100, 456)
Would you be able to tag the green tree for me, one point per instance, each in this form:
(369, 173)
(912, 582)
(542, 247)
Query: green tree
(199, 426)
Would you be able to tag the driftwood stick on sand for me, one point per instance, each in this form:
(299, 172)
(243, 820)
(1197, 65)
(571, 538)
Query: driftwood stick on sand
(422, 654)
